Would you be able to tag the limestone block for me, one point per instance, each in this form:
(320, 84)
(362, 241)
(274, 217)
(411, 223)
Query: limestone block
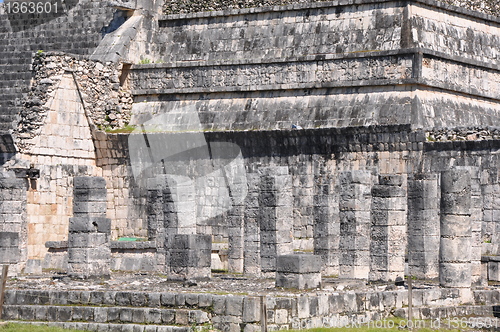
(190, 258)
(82, 208)
(9, 239)
(454, 274)
(90, 194)
(455, 181)
(191, 241)
(167, 316)
(251, 309)
(89, 182)
(87, 240)
(493, 271)
(456, 203)
(457, 249)
(390, 180)
(298, 281)
(298, 263)
(234, 306)
(90, 224)
(389, 203)
(388, 191)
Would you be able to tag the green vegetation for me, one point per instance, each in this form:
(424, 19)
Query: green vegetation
(132, 239)
(11, 327)
(219, 271)
(145, 61)
(125, 130)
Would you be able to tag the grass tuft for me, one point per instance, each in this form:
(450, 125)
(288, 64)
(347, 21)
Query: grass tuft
(13, 327)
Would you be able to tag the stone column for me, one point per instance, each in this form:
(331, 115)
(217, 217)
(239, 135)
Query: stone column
(181, 252)
(388, 229)
(236, 231)
(455, 242)
(301, 271)
(190, 255)
(89, 244)
(354, 212)
(423, 225)
(179, 204)
(156, 219)
(476, 225)
(252, 227)
(13, 225)
(275, 216)
(326, 224)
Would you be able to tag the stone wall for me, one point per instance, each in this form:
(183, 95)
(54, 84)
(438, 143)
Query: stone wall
(247, 69)
(177, 311)
(300, 158)
(23, 35)
(175, 7)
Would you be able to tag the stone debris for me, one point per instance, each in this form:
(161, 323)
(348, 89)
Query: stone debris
(106, 102)
(462, 134)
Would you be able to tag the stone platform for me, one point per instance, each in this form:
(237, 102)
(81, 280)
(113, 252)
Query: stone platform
(227, 302)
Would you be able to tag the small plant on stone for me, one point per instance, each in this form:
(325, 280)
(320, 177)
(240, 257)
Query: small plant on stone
(207, 327)
(145, 61)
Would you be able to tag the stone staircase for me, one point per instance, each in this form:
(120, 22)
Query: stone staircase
(108, 310)
(20, 38)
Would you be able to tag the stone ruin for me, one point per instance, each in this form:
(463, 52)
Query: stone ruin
(345, 139)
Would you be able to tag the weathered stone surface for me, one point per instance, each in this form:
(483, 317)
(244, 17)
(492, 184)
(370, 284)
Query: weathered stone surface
(298, 280)
(89, 243)
(456, 222)
(298, 263)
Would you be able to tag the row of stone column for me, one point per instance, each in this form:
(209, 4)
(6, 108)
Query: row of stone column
(444, 221)
(362, 230)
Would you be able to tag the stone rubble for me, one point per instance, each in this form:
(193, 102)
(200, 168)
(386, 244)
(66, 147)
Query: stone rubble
(106, 103)
(491, 7)
(462, 134)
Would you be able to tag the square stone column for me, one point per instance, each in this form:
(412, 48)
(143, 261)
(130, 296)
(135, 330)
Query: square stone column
(13, 223)
(423, 225)
(236, 233)
(301, 271)
(354, 211)
(388, 229)
(189, 256)
(275, 216)
(326, 224)
(181, 253)
(251, 253)
(476, 225)
(456, 229)
(89, 244)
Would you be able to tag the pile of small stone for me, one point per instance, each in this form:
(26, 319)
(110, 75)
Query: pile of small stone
(463, 134)
(193, 6)
(491, 7)
(106, 103)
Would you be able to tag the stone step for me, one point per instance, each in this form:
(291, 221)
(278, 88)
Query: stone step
(69, 313)
(110, 298)
(110, 327)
